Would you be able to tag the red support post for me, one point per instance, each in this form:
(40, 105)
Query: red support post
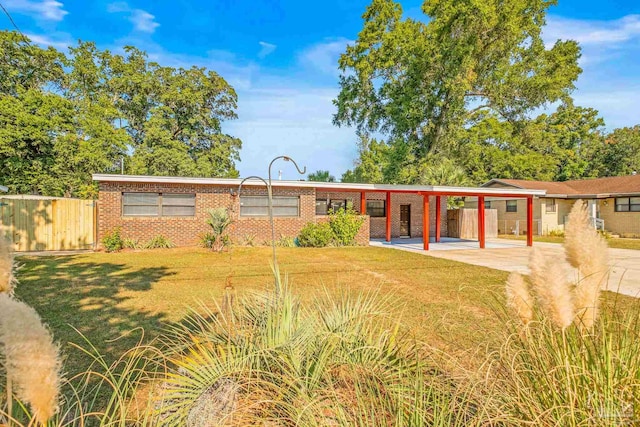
(438, 217)
(363, 203)
(425, 221)
(481, 228)
(388, 224)
(530, 221)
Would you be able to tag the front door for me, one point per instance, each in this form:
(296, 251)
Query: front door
(405, 220)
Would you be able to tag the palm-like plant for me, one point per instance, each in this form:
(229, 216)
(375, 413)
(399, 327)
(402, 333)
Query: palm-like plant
(219, 220)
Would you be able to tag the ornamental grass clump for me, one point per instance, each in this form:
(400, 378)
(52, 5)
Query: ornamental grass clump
(268, 360)
(563, 363)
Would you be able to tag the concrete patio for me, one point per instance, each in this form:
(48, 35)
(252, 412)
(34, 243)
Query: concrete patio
(513, 255)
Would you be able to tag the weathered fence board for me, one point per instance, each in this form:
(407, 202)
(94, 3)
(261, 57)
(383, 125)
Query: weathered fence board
(463, 223)
(47, 224)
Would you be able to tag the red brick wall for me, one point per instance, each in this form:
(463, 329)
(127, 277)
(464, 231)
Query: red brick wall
(378, 225)
(185, 231)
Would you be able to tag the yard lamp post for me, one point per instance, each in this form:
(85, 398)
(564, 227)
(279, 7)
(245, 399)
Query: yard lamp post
(270, 205)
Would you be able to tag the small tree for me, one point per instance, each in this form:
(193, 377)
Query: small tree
(219, 220)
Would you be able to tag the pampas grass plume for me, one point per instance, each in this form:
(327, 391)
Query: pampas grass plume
(518, 298)
(31, 357)
(586, 250)
(7, 279)
(549, 281)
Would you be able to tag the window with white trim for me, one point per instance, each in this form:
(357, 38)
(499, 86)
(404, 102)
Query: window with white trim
(627, 204)
(550, 205)
(258, 206)
(158, 204)
(512, 206)
(487, 204)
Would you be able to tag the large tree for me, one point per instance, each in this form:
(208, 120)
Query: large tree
(421, 82)
(64, 118)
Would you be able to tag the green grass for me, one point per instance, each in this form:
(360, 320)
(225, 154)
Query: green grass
(107, 295)
(112, 297)
(617, 243)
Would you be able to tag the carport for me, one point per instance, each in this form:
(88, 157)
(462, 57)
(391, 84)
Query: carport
(439, 193)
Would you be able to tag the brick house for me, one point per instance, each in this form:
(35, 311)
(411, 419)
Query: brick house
(614, 203)
(176, 207)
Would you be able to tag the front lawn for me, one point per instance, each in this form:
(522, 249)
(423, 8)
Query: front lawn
(113, 298)
(104, 296)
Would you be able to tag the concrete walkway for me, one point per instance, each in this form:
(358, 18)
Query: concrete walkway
(513, 255)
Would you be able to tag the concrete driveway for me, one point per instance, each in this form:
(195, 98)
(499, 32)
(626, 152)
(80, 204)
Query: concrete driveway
(513, 255)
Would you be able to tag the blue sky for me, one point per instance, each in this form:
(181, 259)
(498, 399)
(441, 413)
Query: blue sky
(281, 57)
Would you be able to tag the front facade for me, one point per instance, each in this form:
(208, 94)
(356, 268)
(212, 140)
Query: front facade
(614, 204)
(144, 207)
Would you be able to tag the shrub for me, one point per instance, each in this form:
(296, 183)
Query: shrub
(345, 224)
(130, 243)
(159, 242)
(315, 235)
(219, 220)
(112, 240)
(286, 242)
(556, 233)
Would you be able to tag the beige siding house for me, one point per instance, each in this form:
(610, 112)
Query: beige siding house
(614, 204)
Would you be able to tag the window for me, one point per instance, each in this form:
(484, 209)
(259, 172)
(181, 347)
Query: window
(487, 204)
(259, 206)
(512, 206)
(321, 207)
(337, 204)
(550, 205)
(158, 204)
(376, 208)
(627, 204)
(178, 204)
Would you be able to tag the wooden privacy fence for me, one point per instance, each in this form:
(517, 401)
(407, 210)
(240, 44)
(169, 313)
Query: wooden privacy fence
(47, 224)
(463, 223)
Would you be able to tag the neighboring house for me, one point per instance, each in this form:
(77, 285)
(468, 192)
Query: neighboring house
(145, 206)
(614, 204)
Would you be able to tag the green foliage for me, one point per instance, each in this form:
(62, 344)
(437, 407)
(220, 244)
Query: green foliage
(130, 243)
(341, 230)
(63, 118)
(315, 235)
(345, 224)
(339, 361)
(321, 176)
(159, 242)
(573, 378)
(219, 220)
(286, 242)
(112, 240)
(421, 82)
(620, 153)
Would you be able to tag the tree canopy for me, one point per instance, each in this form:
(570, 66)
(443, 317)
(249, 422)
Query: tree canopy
(64, 117)
(460, 92)
(321, 176)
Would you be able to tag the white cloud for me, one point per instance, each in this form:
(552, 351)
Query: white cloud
(592, 33)
(324, 56)
(50, 10)
(142, 20)
(60, 43)
(266, 49)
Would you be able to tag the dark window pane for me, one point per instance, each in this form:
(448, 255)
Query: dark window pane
(321, 207)
(376, 208)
